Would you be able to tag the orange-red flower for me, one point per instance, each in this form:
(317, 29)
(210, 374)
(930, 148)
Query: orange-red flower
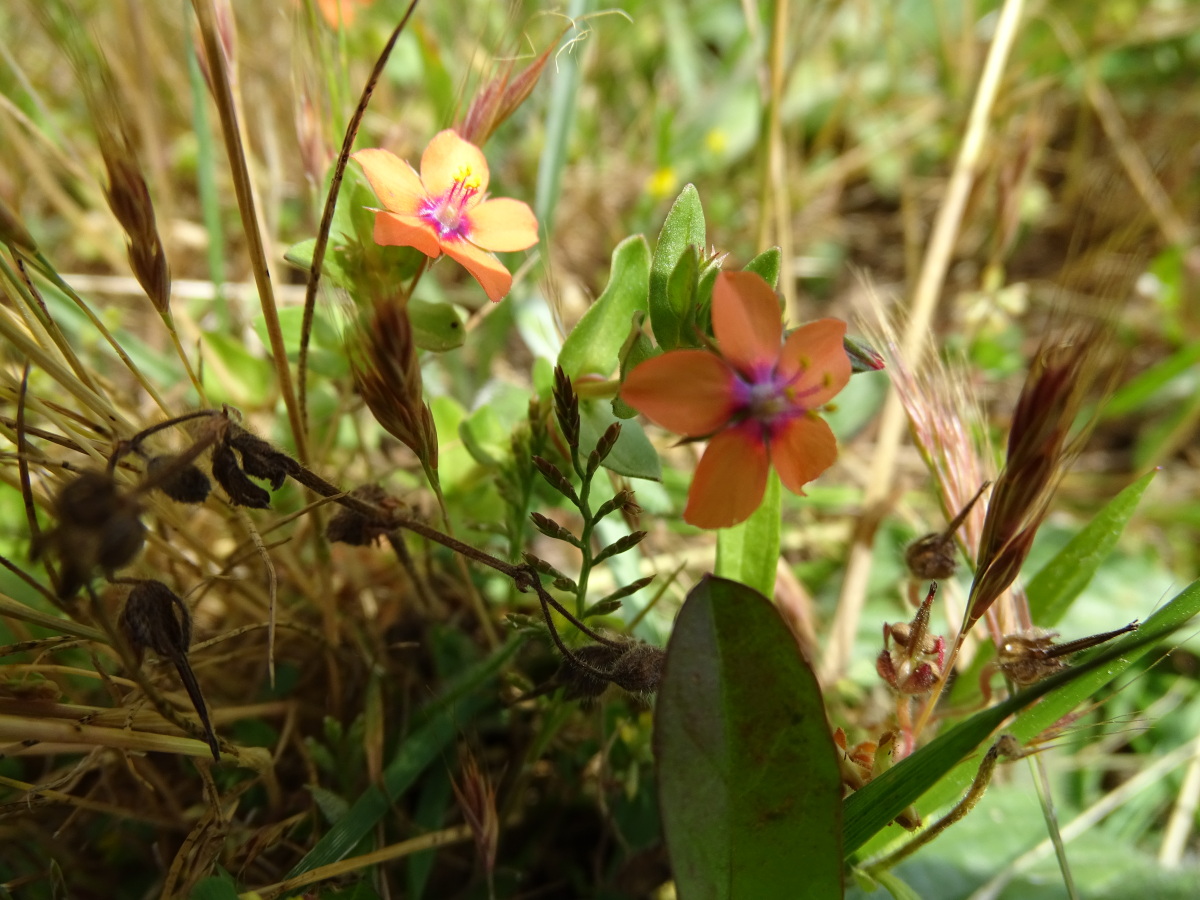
(445, 209)
(756, 400)
(340, 12)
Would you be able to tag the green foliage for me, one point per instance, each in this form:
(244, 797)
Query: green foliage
(748, 777)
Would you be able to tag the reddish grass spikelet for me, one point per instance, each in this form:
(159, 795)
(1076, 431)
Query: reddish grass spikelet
(1040, 448)
(497, 100)
(476, 795)
(388, 376)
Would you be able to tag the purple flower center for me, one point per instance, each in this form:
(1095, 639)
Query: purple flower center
(769, 398)
(448, 213)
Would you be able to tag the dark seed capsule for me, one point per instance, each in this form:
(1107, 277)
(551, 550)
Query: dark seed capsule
(183, 484)
(88, 500)
(241, 490)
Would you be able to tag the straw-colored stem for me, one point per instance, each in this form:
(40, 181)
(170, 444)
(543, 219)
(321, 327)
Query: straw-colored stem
(223, 95)
(913, 344)
(454, 835)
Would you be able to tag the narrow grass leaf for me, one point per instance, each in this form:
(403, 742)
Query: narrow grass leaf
(1057, 704)
(748, 779)
(441, 721)
(1052, 590)
(594, 345)
(869, 810)
(749, 552)
(216, 887)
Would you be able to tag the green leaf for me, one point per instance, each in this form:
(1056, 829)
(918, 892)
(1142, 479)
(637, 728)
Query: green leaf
(428, 816)
(594, 344)
(891, 883)
(233, 374)
(633, 455)
(1154, 384)
(767, 264)
(683, 228)
(637, 348)
(1052, 590)
(869, 810)
(681, 294)
(436, 326)
(443, 719)
(747, 771)
(749, 552)
(216, 887)
(301, 256)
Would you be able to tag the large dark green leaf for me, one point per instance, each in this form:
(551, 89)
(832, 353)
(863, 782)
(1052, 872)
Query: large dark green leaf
(747, 772)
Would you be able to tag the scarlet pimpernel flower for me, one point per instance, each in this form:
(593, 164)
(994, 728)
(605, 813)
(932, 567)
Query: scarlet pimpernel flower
(756, 398)
(445, 209)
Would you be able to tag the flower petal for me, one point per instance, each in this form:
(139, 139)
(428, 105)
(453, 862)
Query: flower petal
(817, 351)
(730, 480)
(392, 179)
(801, 450)
(392, 230)
(485, 268)
(689, 392)
(746, 321)
(503, 225)
(449, 158)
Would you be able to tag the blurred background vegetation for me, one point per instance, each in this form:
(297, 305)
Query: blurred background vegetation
(1097, 120)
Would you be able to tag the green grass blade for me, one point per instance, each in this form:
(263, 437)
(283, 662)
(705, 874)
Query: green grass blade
(870, 810)
(442, 721)
(1052, 590)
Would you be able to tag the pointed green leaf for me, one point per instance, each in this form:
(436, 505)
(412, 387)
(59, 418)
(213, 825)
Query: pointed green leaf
(747, 771)
(1052, 590)
(683, 228)
(594, 345)
(767, 264)
(637, 348)
(681, 295)
(749, 552)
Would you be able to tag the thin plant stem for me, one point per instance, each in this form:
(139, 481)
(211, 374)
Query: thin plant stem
(235, 151)
(913, 344)
(339, 170)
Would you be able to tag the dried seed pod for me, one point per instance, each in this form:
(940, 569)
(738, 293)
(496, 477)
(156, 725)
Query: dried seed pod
(260, 459)
(581, 684)
(155, 618)
(183, 484)
(241, 490)
(98, 526)
(934, 556)
(639, 671)
(349, 526)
